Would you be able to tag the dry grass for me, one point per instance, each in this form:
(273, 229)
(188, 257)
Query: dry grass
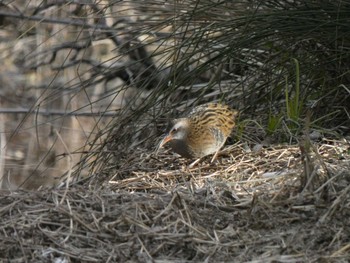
(246, 207)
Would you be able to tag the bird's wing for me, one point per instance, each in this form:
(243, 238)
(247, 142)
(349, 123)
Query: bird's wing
(213, 116)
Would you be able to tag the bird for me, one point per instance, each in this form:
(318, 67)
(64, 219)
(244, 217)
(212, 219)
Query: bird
(202, 132)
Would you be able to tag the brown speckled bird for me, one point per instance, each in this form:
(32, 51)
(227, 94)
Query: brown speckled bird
(203, 132)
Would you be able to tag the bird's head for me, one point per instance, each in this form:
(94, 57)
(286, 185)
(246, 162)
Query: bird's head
(179, 131)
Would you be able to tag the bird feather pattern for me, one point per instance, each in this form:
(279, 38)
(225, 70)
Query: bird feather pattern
(203, 131)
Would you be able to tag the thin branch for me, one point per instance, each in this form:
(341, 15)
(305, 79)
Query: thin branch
(64, 21)
(55, 112)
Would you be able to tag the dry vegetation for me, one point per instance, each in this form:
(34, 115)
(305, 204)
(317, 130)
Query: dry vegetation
(248, 207)
(87, 90)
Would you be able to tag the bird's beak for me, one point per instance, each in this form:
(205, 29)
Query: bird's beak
(164, 141)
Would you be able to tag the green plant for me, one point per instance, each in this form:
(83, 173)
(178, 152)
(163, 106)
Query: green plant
(294, 104)
(274, 123)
